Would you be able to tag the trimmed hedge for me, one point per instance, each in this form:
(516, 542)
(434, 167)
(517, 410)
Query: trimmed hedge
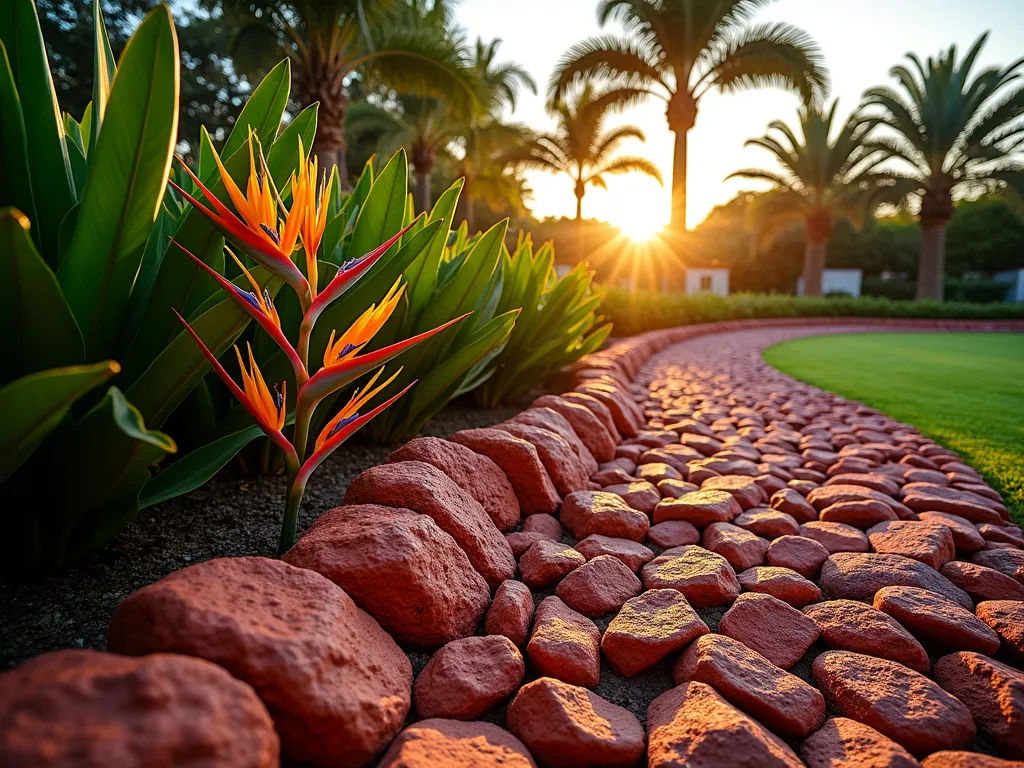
(977, 291)
(637, 312)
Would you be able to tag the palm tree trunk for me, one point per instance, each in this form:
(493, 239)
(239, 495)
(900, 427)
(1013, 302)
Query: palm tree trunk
(931, 266)
(814, 266)
(678, 220)
(423, 191)
(321, 81)
(579, 208)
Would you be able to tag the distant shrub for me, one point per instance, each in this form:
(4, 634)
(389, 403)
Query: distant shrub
(971, 291)
(636, 312)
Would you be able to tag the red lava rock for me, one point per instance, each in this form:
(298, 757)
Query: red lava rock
(1002, 534)
(565, 725)
(748, 680)
(1007, 561)
(793, 504)
(627, 416)
(928, 543)
(771, 627)
(798, 553)
(936, 620)
(706, 579)
(708, 446)
(770, 484)
(724, 466)
(673, 489)
(954, 759)
(438, 743)
(827, 495)
(425, 489)
(993, 692)
(563, 466)
(630, 553)
(546, 525)
(1006, 617)
(511, 612)
(591, 432)
(474, 473)
(600, 586)
(589, 512)
(565, 644)
(744, 489)
(641, 496)
(336, 685)
(648, 628)
(656, 472)
(548, 562)
(858, 576)
(788, 586)
(845, 743)
(520, 541)
(691, 725)
(803, 487)
(675, 456)
(598, 408)
(836, 537)
(929, 476)
(612, 476)
(872, 480)
(851, 626)
(966, 538)
(982, 583)
(468, 677)
(767, 523)
(90, 708)
(741, 548)
(520, 461)
(902, 704)
(924, 497)
(673, 533)
(700, 508)
(553, 421)
(859, 514)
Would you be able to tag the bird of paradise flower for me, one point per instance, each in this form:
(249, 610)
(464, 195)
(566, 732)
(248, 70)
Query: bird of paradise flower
(270, 233)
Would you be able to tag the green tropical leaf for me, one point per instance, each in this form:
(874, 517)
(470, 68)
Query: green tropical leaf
(53, 186)
(43, 333)
(195, 469)
(103, 71)
(381, 215)
(263, 111)
(76, 154)
(36, 404)
(127, 179)
(15, 179)
(421, 276)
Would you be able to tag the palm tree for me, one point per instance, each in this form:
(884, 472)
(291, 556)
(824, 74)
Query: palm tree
(400, 43)
(679, 50)
(822, 179)
(489, 164)
(959, 134)
(580, 148)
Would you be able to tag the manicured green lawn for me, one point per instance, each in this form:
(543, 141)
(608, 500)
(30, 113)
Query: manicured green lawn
(965, 390)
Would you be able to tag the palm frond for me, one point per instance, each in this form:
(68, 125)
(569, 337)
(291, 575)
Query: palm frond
(628, 164)
(618, 62)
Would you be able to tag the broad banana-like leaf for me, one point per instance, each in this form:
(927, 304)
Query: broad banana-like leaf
(263, 111)
(76, 154)
(36, 404)
(421, 276)
(103, 70)
(53, 186)
(15, 178)
(382, 214)
(42, 332)
(128, 174)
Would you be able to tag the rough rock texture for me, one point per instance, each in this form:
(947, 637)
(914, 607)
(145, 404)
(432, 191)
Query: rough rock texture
(440, 743)
(335, 683)
(741, 548)
(632, 554)
(827, 495)
(788, 586)
(598, 587)
(857, 576)
(966, 538)
(589, 512)
(935, 620)
(746, 679)
(547, 563)
(520, 462)
(929, 543)
(1006, 617)
(89, 708)
(993, 692)
(673, 533)
(565, 644)
(924, 497)
(468, 677)
(774, 629)
(851, 626)
(983, 583)
(955, 759)
(568, 726)
(705, 578)
(1006, 561)
(546, 525)
(400, 568)
(798, 553)
(563, 465)
(553, 421)
(425, 489)
(902, 704)
(511, 612)
(845, 743)
(744, 489)
(699, 508)
(859, 514)
(474, 473)
(691, 725)
(793, 504)
(648, 628)
(767, 523)
(836, 537)
(591, 432)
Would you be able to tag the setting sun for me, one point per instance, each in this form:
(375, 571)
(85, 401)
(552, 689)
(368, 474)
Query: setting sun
(639, 228)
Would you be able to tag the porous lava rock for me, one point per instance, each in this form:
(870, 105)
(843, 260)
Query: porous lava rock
(845, 743)
(336, 685)
(468, 677)
(928, 543)
(547, 563)
(836, 537)
(788, 586)
(520, 462)
(848, 625)
(706, 579)
(700, 508)
(599, 586)
(773, 628)
(546, 525)
(935, 620)
(793, 504)
(1007, 561)
(553, 421)
(798, 553)
(648, 628)
(438, 743)
(673, 533)
(859, 514)
(958, 759)
(591, 432)
(768, 523)
(563, 466)
(982, 583)
(1006, 617)
(858, 576)
(590, 512)
(632, 554)
(741, 548)
(511, 612)
(966, 538)
(565, 644)
(641, 496)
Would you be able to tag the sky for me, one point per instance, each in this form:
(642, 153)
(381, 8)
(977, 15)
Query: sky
(860, 39)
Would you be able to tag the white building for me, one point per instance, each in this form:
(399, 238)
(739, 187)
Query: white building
(707, 280)
(1014, 279)
(846, 281)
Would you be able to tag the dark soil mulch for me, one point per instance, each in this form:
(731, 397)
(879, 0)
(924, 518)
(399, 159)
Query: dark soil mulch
(233, 515)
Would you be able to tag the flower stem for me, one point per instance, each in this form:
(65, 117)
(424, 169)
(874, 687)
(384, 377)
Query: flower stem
(296, 489)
